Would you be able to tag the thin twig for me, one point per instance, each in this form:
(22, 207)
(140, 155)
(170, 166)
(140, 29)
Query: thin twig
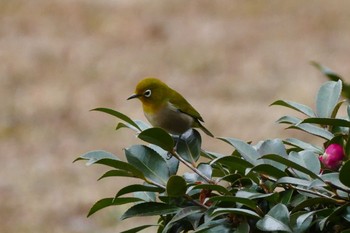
(187, 164)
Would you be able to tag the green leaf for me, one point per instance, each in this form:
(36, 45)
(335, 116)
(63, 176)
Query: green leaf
(344, 176)
(172, 162)
(334, 179)
(314, 130)
(232, 163)
(239, 211)
(112, 173)
(183, 213)
(176, 186)
(296, 106)
(313, 202)
(138, 188)
(213, 226)
(327, 98)
(301, 221)
(118, 115)
(95, 156)
(307, 159)
(106, 202)
(326, 71)
(328, 121)
(193, 177)
(108, 159)
(214, 187)
(291, 164)
(336, 212)
(159, 137)
(149, 162)
(137, 229)
(149, 209)
(293, 181)
(247, 151)
(291, 120)
(267, 169)
(303, 145)
(277, 219)
(250, 194)
(146, 196)
(189, 146)
(231, 199)
(274, 146)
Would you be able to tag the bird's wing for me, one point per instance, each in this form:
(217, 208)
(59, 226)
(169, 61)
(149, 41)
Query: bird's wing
(182, 105)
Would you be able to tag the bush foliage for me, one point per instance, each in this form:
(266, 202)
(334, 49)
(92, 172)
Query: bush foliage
(276, 185)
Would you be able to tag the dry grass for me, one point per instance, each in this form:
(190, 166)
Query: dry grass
(58, 59)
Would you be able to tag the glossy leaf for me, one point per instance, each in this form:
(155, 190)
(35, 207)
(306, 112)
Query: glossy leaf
(290, 120)
(308, 160)
(277, 219)
(250, 194)
(176, 186)
(328, 121)
(336, 212)
(172, 162)
(296, 106)
(213, 187)
(118, 115)
(326, 71)
(293, 181)
(232, 199)
(149, 209)
(213, 226)
(95, 156)
(149, 162)
(106, 202)
(313, 202)
(291, 164)
(115, 173)
(344, 174)
(189, 146)
(146, 196)
(272, 146)
(247, 151)
(108, 159)
(301, 221)
(159, 137)
(334, 179)
(238, 211)
(183, 213)
(268, 170)
(314, 130)
(233, 163)
(327, 98)
(138, 188)
(303, 145)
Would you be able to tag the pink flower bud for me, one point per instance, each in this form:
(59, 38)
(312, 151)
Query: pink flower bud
(333, 156)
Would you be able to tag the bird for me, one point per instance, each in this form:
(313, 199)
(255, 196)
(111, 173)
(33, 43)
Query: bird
(166, 108)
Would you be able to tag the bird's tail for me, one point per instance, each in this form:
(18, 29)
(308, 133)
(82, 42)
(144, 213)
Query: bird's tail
(205, 130)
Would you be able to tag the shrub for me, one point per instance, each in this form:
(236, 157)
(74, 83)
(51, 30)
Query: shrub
(278, 185)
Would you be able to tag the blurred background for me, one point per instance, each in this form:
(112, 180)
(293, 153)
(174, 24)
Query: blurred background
(61, 58)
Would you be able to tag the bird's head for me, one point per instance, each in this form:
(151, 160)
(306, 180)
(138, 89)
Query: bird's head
(150, 91)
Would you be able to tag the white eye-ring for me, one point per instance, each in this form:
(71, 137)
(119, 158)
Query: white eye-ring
(147, 93)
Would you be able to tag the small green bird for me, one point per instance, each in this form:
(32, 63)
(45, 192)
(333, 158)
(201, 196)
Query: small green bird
(166, 108)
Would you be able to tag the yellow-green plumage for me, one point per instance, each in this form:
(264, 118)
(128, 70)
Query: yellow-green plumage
(166, 108)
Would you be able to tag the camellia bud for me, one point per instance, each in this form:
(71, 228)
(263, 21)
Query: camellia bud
(333, 156)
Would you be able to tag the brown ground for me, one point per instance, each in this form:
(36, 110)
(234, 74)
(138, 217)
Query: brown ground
(58, 59)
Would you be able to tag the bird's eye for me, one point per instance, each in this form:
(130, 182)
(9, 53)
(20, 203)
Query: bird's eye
(147, 93)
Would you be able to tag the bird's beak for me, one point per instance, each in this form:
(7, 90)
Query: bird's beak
(134, 96)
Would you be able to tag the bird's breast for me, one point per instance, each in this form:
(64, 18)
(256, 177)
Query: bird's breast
(169, 118)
